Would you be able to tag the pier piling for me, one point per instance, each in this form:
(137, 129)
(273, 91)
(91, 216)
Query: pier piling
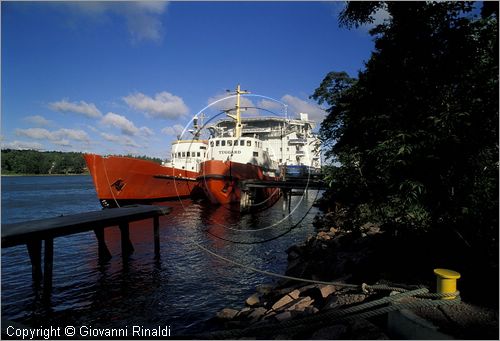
(35, 253)
(48, 265)
(102, 248)
(33, 232)
(156, 233)
(127, 247)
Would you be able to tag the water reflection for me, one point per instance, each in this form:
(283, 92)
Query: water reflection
(183, 288)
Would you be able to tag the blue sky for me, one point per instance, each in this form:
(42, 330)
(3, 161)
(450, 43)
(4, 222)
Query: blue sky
(127, 77)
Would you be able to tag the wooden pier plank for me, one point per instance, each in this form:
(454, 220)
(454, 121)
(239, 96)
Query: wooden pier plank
(24, 232)
(286, 184)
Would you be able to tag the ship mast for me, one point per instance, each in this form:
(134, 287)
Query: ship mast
(237, 117)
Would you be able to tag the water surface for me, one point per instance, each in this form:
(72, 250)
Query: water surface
(183, 289)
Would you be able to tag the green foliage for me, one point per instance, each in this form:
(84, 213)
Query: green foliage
(414, 140)
(35, 162)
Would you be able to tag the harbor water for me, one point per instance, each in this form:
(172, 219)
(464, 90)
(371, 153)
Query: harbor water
(183, 289)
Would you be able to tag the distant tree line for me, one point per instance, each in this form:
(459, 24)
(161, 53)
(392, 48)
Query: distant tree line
(50, 162)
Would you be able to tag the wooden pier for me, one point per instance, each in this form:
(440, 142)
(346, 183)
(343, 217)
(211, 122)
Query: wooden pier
(292, 183)
(33, 232)
(248, 188)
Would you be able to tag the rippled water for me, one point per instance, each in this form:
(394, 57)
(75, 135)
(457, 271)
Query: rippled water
(183, 289)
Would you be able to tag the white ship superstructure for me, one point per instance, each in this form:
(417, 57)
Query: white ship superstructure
(289, 142)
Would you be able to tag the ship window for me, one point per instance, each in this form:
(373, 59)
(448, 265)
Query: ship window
(217, 143)
(203, 147)
(281, 149)
(249, 143)
(211, 143)
(242, 142)
(235, 142)
(178, 154)
(223, 143)
(255, 153)
(183, 154)
(229, 143)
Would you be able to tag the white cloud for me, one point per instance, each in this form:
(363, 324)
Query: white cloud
(143, 18)
(35, 133)
(57, 135)
(173, 131)
(163, 105)
(125, 125)
(146, 132)
(87, 109)
(63, 142)
(22, 145)
(297, 105)
(122, 140)
(38, 120)
(78, 135)
(273, 106)
(230, 103)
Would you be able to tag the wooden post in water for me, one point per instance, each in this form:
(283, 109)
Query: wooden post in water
(102, 249)
(48, 267)
(127, 247)
(35, 252)
(156, 232)
(289, 200)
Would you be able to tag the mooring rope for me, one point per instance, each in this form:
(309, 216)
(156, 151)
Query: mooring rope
(269, 273)
(331, 316)
(109, 184)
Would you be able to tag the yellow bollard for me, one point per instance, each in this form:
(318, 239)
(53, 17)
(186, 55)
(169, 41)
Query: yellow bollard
(446, 282)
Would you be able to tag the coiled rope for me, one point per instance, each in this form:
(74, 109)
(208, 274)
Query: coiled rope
(331, 316)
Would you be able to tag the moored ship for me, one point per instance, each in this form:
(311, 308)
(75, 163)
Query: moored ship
(257, 148)
(121, 180)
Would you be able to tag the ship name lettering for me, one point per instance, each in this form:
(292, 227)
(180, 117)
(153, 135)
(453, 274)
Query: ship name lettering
(229, 151)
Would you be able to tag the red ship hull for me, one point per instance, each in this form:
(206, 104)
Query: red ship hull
(220, 182)
(120, 180)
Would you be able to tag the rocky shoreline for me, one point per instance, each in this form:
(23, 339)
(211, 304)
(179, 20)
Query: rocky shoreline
(341, 258)
(288, 300)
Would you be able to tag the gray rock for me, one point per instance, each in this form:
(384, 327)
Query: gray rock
(257, 313)
(253, 300)
(327, 290)
(227, 314)
(244, 312)
(311, 310)
(294, 294)
(282, 302)
(301, 304)
(286, 315)
(288, 298)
